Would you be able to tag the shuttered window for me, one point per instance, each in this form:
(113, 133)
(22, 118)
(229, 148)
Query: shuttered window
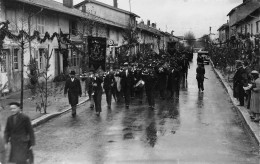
(16, 59)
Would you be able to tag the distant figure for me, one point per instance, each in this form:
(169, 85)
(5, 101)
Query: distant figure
(19, 132)
(73, 88)
(200, 76)
(199, 59)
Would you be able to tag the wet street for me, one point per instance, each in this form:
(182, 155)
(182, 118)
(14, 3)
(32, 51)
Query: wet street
(196, 128)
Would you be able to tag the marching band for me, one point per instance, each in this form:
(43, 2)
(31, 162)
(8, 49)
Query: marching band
(146, 76)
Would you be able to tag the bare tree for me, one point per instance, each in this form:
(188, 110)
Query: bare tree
(190, 38)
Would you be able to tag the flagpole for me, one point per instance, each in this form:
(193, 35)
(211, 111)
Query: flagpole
(130, 5)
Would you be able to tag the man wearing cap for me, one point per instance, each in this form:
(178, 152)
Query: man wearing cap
(73, 88)
(127, 84)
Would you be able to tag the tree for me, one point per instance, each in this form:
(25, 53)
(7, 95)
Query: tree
(130, 40)
(205, 41)
(190, 38)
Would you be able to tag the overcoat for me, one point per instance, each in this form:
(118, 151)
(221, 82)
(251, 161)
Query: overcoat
(255, 98)
(21, 137)
(98, 90)
(74, 91)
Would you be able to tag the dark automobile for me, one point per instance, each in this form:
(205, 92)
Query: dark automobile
(205, 56)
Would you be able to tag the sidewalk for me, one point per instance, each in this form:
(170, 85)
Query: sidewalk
(251, 127)
(58, 104)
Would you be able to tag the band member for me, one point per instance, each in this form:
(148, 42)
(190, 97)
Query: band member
(150, 83)
(73, 88)
(126, 83)
(117, 87)
(109, 81)
(139, 86)
(200, 76)
(97, 89)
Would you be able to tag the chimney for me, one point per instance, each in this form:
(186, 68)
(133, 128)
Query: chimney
(172, 32)
(68, 3)
(148, 22)
(115, 4)
(154, 25)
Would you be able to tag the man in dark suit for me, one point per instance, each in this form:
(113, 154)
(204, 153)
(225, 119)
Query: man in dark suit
(73, 88)
(109, 81)
(127, 83)
(200, 76)
(19, 132)
(97, 89)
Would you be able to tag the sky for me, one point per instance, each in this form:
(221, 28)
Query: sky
(181, 16)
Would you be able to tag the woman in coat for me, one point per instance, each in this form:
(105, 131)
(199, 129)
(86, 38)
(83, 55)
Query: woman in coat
(255, 98)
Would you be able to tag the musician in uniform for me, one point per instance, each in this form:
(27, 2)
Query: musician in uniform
(109, 81)
(126, 83)
(150, 79)
(97, 90)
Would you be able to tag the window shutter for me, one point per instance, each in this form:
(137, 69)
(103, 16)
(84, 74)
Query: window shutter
(19, 56)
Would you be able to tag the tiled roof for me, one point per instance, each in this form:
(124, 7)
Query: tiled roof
(105, 5)
(59, 7)
(149, 29)
(247, 16)
(245, 9)
(223, 26)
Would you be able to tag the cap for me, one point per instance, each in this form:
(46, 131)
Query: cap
(255, 72)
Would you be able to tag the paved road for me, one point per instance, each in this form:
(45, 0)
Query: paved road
(197, 128)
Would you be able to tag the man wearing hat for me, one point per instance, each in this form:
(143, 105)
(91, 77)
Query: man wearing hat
(127, 83)
(200, 76)
(73, 88)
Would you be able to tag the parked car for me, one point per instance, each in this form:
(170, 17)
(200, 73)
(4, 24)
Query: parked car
(205, 56)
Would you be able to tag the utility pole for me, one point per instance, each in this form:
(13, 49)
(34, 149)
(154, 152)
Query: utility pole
(130, 6)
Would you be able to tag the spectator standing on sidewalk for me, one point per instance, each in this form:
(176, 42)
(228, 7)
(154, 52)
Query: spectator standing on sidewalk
(200, 76)
(238, 85)
(255, 98)
(19, 132)
(73, 88)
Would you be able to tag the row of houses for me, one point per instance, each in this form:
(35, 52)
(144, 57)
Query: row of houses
(244, 20)
(89, 18)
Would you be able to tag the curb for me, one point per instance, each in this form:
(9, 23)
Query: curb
(38, 121)
(251, 128)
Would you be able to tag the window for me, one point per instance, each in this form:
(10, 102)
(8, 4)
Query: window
(15, 59)
(74, 59)
(40, 24)
(257, 27)
(3, 61)
(117, 35)
(41, 58)
(73, 27)
(108, 34)
(11, 17)
(251, 29)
